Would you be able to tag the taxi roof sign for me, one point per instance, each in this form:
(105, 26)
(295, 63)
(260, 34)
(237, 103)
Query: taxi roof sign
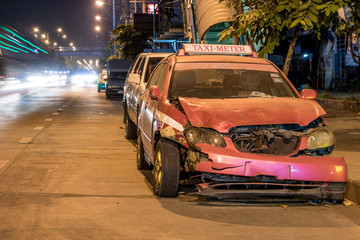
(218, 49)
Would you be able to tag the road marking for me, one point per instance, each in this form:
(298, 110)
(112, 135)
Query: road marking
(39, 128)
(48, 120)
(26, 140)
(354, 133)
(64, 106)
(3, 163)
(60, 110)
(55, 113)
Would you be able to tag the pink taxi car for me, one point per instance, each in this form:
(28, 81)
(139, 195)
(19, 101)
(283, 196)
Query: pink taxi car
(237, 126)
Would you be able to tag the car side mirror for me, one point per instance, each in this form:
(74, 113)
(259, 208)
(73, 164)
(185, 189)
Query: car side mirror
(134, 78)
(308, 94)
(154, 92)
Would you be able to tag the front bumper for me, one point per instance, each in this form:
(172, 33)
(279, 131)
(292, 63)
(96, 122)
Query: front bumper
(115, 91)
(101, 86)
(301, 176)
(230, 161)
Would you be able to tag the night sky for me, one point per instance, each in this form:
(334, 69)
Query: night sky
(76, 17)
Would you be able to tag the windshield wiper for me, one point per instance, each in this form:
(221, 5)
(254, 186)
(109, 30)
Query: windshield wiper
(260, 94)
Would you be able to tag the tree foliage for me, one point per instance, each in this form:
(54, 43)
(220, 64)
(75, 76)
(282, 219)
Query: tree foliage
(128, 41)
(350, 26)
(266, 23)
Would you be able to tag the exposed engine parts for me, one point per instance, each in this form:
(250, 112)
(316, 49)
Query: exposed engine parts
(279, 139)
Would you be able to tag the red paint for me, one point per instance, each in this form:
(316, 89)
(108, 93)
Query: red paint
(222, 115)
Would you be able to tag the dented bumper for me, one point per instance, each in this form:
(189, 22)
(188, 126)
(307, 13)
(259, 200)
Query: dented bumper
(230, 161)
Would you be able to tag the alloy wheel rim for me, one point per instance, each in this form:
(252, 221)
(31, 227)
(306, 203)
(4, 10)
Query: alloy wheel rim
(157, 168)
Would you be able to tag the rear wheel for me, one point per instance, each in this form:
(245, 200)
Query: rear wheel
(130, 128)
(107, 96)
(166, 169)
(140, 157)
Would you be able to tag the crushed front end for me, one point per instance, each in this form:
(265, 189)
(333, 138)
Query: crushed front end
(277, 160)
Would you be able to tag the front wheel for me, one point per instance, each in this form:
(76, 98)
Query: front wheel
(166, 169)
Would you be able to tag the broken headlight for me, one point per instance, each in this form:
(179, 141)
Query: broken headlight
(321, 138)
(196, 135)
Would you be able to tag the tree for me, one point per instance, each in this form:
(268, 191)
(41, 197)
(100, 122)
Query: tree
(265, 23)
(129, 42)
(349, 24)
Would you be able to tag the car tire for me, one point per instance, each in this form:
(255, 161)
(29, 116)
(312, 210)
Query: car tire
(140, 156)
(130, 128)
(107, 96)
(99, 89)
(166, 169)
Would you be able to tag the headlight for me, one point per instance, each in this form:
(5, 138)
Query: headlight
(321, 138)
(196, 135)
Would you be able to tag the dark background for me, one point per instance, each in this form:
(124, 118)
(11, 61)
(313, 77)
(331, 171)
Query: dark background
(75, 17)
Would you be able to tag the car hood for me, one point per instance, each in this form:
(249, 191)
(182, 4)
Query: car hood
(223, 114)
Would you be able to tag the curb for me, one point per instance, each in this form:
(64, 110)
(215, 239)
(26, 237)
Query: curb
(353, 191)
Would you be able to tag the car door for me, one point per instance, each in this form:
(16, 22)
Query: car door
(148, 108)
(132, 111)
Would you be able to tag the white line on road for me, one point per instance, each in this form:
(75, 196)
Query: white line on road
(25, 140)
(48, 120)
(3, 163)
(39, 128)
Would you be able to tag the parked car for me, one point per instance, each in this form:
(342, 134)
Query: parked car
(117, 71)
(115, 84)
(134, 86)
(238, 126)
(102, 80)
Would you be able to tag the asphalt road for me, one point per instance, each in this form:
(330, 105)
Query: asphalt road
(67, 172)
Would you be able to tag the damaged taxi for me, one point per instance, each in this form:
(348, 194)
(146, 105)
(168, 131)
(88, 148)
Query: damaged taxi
(237, 126)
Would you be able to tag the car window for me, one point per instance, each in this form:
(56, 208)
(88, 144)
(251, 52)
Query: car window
(153, 61)
(117, 76)
(154, 76)
(136, 67)
(161, 80)
(227, 80)
(140, 69)
(133, 64)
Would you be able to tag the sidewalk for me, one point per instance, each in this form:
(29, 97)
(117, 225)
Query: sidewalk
(346, 113)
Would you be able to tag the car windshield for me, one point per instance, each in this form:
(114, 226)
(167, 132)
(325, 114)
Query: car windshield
(228, 80)
(117, 76)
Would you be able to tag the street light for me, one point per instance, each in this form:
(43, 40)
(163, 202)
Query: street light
(98, 18)
(99, 3)
(97, 28)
